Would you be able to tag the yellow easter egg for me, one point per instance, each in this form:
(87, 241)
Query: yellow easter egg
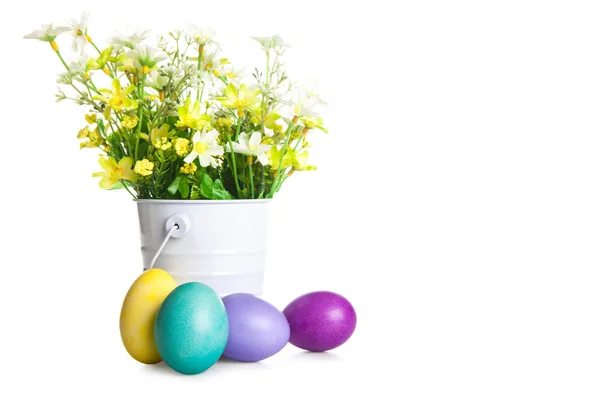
(138, 313)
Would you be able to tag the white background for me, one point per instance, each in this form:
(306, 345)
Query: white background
(456, 205)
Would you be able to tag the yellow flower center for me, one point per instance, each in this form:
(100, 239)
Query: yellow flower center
(216, 73)
(230, 75)
(200, 147)
(208, 66)
(116, 102)
(252, 148)
(238, 104)
(79, 32)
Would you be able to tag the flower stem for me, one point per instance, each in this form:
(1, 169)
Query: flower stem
(140, 118)
(95, 47)
(126, 188)
(62, 60)
(92, 85)
(235, 177)
(198, 92)
(268, 71)
(251, 178)
(274, 186)
(298, 142)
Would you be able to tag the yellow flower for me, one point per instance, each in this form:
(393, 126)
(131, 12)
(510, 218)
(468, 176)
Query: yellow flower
(100, 62)
(192, 117)
(240, 100)
(299, 162)
(223, 124)
(114, 172)
(313, 122)
(275, 157)
(93, 138)
(116, 98)
(162, 143)
(83, 133)
(188, 169)
(125, 63)
(157, 134)
(90, 118)
(143, 167)
(270, 121)
(182, 147)
(130, 121)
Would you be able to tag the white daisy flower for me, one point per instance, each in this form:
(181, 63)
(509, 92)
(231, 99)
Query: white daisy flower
(47, 33)
(305, 102)
(80, 65)
(211, 63)
(200, 36)
(156, 80)
(251, 146)
(78, 71)
(234, 75)
(145, 56)
(173, 71)
(129, 39)
(205, 149)
(269, 43)
(79, 32)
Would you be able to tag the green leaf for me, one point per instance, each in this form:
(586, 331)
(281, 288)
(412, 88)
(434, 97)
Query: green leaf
(219, 192)
(174, 186)
(117, 186)
(206, 186)
(184, 187)
(195, 193)
(101, 127)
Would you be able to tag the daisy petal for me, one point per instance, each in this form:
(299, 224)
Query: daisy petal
(211, 136)
(191, 157)
(214, 150)
(263, 159)
(205, 159)
(254, 140)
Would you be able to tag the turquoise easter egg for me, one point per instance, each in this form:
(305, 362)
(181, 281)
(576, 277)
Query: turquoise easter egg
(191, 328)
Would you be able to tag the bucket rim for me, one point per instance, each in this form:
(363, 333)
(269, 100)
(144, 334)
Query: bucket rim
(175, 201)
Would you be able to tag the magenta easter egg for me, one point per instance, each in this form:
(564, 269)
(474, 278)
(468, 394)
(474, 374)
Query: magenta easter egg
(320, 321)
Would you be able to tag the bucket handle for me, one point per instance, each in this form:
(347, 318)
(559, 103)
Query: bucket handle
(177, 226)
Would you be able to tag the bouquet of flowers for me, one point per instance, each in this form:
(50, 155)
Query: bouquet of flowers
(178, 121)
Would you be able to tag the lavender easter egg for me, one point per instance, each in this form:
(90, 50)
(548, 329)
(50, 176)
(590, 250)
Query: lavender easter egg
(257, 330)
(320, 321)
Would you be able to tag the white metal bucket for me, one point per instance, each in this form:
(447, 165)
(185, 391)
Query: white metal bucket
(222, 243)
